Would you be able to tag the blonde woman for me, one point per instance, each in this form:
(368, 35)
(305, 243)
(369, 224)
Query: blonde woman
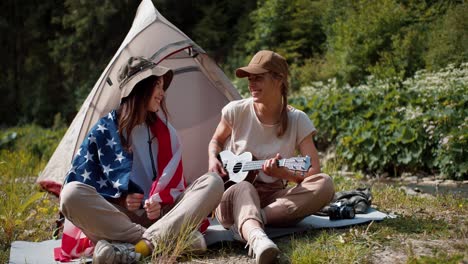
(267, 127)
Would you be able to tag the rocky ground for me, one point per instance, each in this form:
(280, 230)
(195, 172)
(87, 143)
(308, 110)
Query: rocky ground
(428, 185)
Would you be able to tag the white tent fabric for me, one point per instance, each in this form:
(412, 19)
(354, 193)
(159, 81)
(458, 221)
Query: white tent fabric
(195, 98)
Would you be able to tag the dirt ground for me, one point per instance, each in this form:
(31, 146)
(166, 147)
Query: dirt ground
(414, 247)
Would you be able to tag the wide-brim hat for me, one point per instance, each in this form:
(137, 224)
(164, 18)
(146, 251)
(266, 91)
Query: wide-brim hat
(262, 62)
(138, 69)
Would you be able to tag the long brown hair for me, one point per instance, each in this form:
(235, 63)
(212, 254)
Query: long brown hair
(284, 119)
(133, 110)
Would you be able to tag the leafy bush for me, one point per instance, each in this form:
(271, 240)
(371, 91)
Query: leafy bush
(419, 124)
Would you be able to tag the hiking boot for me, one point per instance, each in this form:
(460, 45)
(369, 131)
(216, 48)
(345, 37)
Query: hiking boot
(114, 253)
(261, 247)
(198, 242)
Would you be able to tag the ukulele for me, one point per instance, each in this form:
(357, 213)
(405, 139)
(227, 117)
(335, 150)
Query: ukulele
(238, 167)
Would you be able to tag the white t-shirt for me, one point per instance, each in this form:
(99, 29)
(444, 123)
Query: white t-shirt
(249, 134)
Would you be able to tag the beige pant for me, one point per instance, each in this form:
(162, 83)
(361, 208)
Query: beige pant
(244, 201)
(102, 220)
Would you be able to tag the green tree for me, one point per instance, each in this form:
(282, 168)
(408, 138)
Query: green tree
(385, 38)
(292, 28)
(448, 40)
(29, 77)
(356, 38)
(220, 25)
(9, 69)
(88, 37)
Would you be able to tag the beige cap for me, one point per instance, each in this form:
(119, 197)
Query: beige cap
(137, 69)
(264, 61)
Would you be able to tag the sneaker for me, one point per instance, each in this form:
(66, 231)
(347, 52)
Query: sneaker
(261, 247)
(198, 242)
(114, 253)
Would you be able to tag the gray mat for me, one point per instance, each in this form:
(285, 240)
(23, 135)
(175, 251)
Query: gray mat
(43, 252)
(216, 233)
(22, 252)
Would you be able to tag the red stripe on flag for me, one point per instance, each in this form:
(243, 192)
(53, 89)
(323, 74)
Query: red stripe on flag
(165, 154)
(165, 195)
(160, 130)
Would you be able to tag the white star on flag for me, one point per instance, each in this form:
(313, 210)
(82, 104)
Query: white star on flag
(85, 175)
(88, 156)
(107, 169)
(92, 139)
(100, 153)
(102, 182)
(120, 157)
(101, 128)
(111, 143)
(116, 184)
(72, 169)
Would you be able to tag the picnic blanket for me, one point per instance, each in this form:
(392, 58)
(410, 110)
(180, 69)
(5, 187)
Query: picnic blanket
(42, 252)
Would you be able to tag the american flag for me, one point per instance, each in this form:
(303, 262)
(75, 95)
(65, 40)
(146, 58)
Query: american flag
(102, 162)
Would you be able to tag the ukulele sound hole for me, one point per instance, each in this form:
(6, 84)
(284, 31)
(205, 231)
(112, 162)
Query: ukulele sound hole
(237, 167)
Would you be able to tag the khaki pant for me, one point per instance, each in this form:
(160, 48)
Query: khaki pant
(101, 220)
(244, 201)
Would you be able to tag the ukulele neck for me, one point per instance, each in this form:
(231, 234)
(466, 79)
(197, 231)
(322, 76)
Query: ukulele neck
(257, 165)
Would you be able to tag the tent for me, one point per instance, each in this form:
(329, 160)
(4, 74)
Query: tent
(197, 94)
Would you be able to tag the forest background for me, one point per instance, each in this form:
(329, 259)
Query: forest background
(384, 81)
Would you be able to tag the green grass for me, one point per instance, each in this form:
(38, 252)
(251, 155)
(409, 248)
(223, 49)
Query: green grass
(25, 212)
(427, 229)
(420, 219)
(174, 247)
(441, 257)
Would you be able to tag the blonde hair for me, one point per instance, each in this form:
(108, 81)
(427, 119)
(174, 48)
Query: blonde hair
(284, 119)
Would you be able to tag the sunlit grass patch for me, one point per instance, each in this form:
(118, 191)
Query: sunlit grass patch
(17, 193)
(436, 215)
(173, 246)
(327, 246)
(34, 140)
(26, 213)
(423, 228)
